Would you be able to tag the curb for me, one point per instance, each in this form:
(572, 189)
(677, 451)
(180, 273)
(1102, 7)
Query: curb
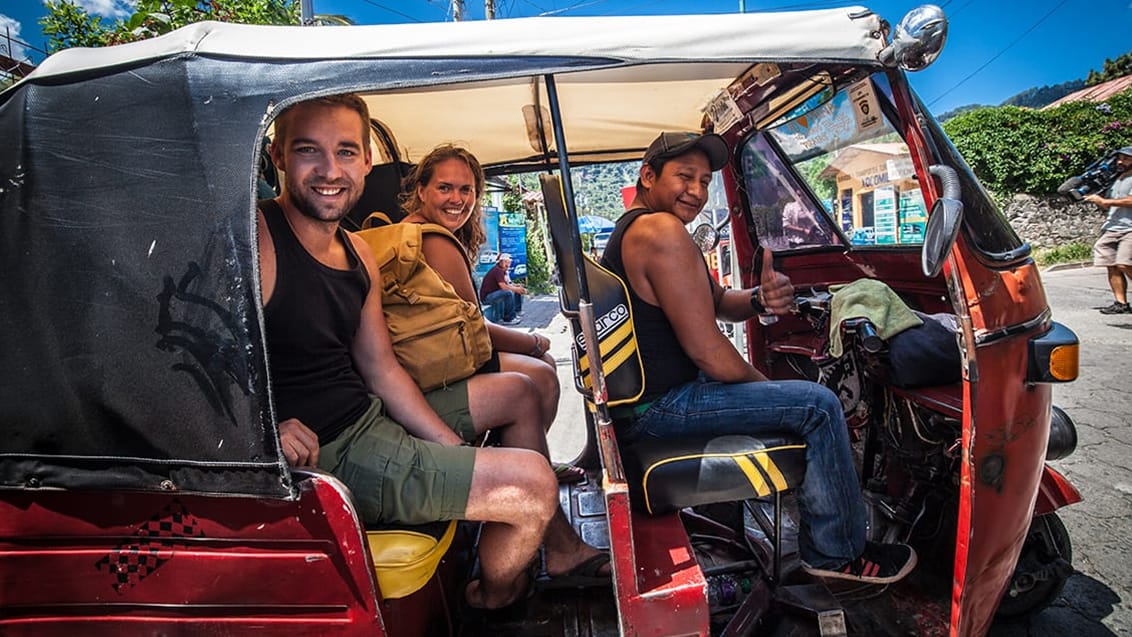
(1068, 266)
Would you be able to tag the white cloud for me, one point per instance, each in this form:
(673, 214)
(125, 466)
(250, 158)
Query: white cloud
(108, 8)
(10, 28)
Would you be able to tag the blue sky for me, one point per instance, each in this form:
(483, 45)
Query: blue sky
(995, 48)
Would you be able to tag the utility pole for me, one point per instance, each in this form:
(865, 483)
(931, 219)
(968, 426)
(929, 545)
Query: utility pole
(457, 10)
(489, 9)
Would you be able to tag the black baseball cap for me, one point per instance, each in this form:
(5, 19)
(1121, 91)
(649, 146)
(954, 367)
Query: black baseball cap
(674, 144)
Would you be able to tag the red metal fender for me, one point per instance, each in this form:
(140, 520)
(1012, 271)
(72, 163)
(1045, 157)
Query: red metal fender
(1054, 492)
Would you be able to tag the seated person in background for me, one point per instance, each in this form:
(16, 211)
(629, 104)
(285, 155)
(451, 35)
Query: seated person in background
(446, 188)
(345, 404)
(498, 291)
(697, 382)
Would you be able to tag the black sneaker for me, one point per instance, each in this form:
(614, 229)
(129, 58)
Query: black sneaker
(878, 564)
(1117, 308)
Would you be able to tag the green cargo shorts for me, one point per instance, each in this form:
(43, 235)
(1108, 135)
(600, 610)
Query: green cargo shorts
(396, 478)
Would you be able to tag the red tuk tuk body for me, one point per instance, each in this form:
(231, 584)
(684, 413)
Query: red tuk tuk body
(142, 487)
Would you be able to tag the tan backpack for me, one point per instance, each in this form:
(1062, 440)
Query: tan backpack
(438, 337)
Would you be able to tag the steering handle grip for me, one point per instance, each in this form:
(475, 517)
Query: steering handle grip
(865, 333)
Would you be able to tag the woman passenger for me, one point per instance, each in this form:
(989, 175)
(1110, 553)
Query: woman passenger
(446, 188)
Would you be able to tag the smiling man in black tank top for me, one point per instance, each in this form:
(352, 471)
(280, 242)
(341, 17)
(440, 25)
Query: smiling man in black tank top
(344, 403)
(696, 383)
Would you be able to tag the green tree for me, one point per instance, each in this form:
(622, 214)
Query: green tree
(538, 262)
(68, 25)
(810, 169)
(1111, 70)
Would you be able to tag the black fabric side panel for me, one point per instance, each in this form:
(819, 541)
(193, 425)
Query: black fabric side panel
(129, 320)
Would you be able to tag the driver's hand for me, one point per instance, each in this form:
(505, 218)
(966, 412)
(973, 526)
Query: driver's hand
(776, 289)
(299, 443)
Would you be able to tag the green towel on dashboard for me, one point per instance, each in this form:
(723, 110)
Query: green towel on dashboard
(871, 299)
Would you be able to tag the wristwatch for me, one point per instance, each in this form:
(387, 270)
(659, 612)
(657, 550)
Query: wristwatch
(756, 300)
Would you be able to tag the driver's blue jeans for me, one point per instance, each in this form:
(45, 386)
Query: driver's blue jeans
(832, 525)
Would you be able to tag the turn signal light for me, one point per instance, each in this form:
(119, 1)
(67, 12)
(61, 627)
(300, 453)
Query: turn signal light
(1063, 362)
(1053, 356)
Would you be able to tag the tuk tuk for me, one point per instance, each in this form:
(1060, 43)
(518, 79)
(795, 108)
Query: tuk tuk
(142, 485)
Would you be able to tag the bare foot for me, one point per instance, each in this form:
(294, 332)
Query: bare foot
(478, 595)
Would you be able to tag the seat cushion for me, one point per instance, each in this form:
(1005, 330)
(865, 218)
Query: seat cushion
(405, 558)
(672, 474)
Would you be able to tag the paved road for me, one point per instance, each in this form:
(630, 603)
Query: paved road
(1097, 600)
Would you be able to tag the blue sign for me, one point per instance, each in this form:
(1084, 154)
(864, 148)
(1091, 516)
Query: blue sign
(489, 251)
(513, 241)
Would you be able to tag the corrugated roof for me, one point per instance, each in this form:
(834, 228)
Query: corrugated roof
(1098, 93)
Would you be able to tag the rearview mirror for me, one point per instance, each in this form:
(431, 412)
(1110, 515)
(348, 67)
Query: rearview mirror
(940, 233)
(917, 39)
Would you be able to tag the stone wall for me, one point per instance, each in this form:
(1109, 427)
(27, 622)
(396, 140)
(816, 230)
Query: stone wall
(1049, 222)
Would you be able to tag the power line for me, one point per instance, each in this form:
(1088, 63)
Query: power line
(576, 5)
(541, 10)
(403, 15)
(1000, 53)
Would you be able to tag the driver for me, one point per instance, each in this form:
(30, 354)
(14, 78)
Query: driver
(696, 381)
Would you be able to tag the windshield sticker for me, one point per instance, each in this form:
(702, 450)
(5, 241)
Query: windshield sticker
(723, 111)
(866, 110)
(833, 126)
(765, 72)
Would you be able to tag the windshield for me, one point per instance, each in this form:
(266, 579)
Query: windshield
(843, 174)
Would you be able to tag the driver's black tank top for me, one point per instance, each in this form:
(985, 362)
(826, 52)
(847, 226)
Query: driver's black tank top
(666, 365)
(311, 320)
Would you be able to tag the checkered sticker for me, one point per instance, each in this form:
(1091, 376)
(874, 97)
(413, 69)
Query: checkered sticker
(156, 542)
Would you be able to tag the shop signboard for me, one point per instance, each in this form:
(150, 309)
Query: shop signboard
(885, 217)
(913, 216)
(513, 241)
(489, 251)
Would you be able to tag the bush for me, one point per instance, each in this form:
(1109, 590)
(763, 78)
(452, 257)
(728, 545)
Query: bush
(1075, 252)
(1020, 150)
(538, 266)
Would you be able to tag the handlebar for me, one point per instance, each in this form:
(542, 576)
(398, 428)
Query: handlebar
(866, 334)
(816, 306)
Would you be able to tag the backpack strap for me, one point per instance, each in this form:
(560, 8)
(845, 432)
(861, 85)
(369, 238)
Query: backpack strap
(434, 228)
(376, 219)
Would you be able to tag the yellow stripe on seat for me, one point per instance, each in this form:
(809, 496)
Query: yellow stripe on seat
(772, 470)
(753, 475)
(776, 476)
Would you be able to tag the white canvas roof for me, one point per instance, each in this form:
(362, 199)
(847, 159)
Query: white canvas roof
(620, 80)
(849, 34)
